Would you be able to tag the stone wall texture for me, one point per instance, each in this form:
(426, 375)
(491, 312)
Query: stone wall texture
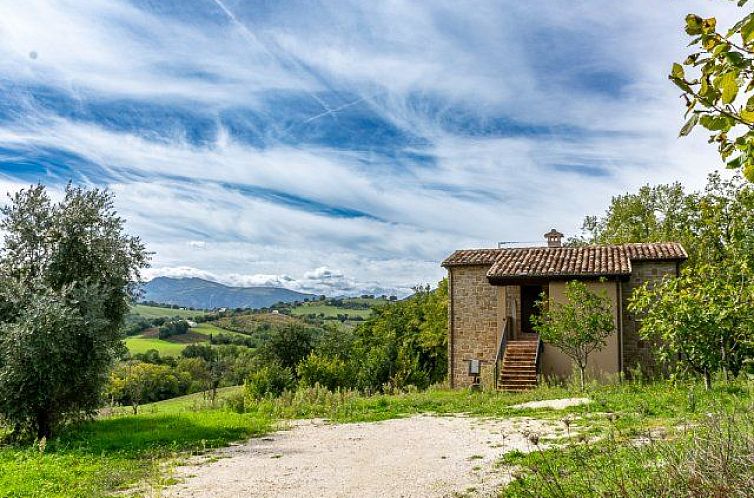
(637, 352)
(473, 323)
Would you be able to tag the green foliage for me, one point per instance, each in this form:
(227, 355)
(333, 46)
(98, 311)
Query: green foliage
(67, 275)
(134, 383)
(177, 327)
(270, 380)
(704, 318)
(578, 326)
(653, 214)
(290, 344)
(330, 372)
(404, 343)
(717, 80)
(714, 225)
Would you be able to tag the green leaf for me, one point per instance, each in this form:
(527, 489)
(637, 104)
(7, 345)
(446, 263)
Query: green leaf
(734, 163)
(749, 172)
(727, 83)
(677, 71)
(693, 120)
(747, 115)
(734, 58)
(747, 30)
(681, 84)
(716, 123)
(693, 24)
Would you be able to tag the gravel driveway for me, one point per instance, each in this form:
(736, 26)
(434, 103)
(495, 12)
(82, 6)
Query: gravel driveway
(420, 456)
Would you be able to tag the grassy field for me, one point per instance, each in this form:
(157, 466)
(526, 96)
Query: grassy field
(115, 452)
(174, 346)
(328, 311)
(208, 329)
(317, 308)
(158, 312)
(141, 344)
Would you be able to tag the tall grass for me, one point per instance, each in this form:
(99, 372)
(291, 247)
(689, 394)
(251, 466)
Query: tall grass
(711, 458)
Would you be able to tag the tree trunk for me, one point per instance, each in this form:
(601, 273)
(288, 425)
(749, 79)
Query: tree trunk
(44, 425)
(707, 379)
(581, 372)
(135, 408)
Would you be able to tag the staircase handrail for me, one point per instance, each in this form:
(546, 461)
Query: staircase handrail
(540, 346)
(501, 348)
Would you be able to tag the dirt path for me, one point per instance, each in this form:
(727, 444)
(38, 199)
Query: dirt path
(421, 456)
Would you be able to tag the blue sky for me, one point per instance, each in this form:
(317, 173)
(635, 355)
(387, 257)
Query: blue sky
(344, 146)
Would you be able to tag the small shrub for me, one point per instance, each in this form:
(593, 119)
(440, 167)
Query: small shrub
(269, 381)
(332, 373)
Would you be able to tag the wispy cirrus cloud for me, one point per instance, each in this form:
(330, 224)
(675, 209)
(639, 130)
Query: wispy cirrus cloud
(341, 147)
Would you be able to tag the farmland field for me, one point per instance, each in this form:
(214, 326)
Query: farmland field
(141, 344)
(327, 310)
(208, 329)
(158, 312)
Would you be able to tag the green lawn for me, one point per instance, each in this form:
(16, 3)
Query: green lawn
(157, 312)
(140, 344)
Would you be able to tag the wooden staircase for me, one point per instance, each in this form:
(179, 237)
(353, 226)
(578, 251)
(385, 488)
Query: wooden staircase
(519, 366)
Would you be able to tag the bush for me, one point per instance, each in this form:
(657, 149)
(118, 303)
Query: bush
(178, 327)
(134, 383)
(289, 345)
(332, 373)
(269, 381)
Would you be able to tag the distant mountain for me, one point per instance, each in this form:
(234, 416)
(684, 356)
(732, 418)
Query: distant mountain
(203, 294)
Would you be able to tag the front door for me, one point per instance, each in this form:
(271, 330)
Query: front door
(530, 294)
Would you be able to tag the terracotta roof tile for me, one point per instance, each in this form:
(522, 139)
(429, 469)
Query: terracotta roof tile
(594, 260)
(470, 257)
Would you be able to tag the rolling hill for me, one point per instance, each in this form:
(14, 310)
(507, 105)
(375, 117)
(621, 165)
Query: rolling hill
(204, 294)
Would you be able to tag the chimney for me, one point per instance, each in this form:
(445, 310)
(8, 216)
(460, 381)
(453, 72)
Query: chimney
(554, 238)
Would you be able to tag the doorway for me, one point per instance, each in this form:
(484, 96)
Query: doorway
(530, 294)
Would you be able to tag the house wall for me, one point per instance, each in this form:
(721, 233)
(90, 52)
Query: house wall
(475, 309)
(554, 363)
(638, 352)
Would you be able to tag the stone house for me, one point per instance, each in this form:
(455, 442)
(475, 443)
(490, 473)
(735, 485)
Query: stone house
(492, 299)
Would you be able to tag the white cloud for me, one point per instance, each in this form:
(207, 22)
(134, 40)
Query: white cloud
(280, 212)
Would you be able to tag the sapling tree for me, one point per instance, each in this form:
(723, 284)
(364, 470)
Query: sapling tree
(578, 326)
(67, 274)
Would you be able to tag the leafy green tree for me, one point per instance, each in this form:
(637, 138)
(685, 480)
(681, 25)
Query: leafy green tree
(714, 225)
(717, 80)
(290, 344)
(134, 383)
(579, 326)
(330, 372)
(67, 274)
(404, 343)
(653, 214)
(270, 380)
(704, 318)
(176, 327)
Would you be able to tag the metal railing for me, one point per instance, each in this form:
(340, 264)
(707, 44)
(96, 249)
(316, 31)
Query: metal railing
(537, 356)
(507, 326)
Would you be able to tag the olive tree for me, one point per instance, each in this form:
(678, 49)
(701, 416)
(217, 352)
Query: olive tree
(67, 274)
(578, 326)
